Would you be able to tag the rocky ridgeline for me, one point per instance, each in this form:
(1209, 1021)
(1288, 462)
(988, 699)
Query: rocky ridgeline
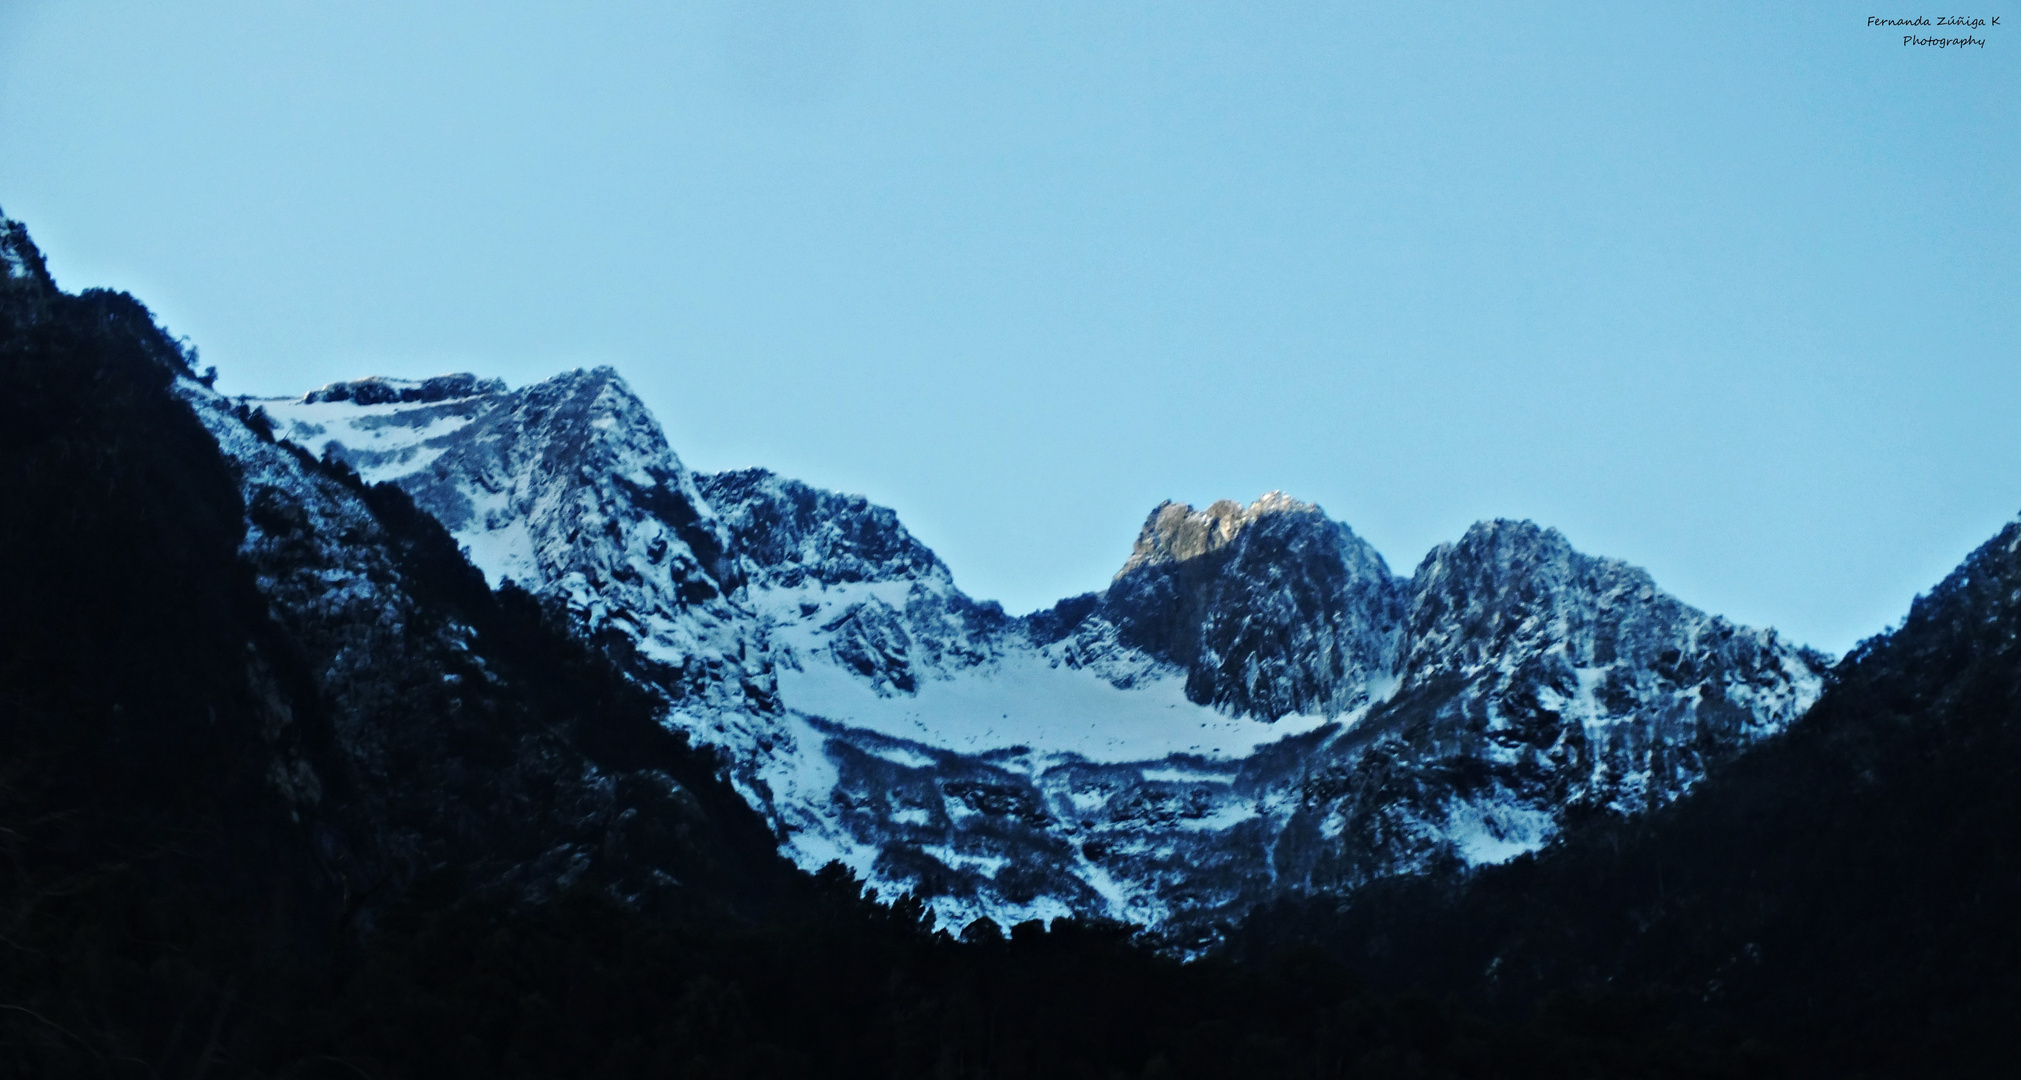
(1537, 682)
(809, 555)
(1255, 705)
(568, 488)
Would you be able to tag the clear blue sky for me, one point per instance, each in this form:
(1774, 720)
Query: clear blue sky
(1726, 290)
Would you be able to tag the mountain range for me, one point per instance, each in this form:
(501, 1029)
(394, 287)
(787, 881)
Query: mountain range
(1256, 706)
(438, 728)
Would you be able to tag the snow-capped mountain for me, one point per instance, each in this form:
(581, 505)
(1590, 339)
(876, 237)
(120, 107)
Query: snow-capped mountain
(1255, 705)
(567, 488)
(1534, 680)
(382, 633)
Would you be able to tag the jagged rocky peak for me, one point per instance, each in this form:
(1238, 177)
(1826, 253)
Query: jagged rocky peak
(1505, 579)
(1508, 584)
(1270, 609)
(1576, 679)
(569, 488)
(837, 577)
(382, 390)
(790, 533)
(1175, 531)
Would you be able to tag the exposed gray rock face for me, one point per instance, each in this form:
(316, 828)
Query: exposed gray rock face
(1585, 669)
(1256, 705)
(788, 534)
(806, 556)
(1269, 609)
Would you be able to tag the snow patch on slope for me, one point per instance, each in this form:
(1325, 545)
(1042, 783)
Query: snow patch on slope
(1022, 701)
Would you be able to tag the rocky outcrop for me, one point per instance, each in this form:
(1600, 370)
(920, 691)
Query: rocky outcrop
(841, 576)
(1269, 609)
(787, 534)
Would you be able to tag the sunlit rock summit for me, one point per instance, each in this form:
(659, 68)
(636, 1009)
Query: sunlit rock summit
(1270, 609)
(1256, 705)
